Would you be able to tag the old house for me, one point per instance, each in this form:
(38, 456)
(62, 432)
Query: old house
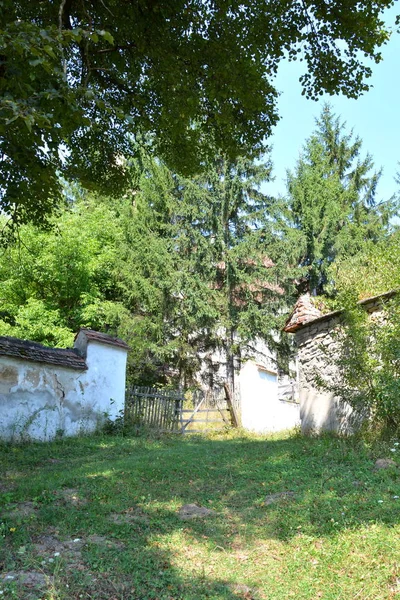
(266, 399)
(315, 331)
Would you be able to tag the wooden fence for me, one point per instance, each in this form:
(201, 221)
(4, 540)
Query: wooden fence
(158, 409)
(164, 410)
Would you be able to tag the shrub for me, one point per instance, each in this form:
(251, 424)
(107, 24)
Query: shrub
(368, 364)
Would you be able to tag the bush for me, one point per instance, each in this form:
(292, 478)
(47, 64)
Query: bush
(368, 364)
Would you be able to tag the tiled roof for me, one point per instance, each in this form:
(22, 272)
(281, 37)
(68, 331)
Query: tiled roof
(35, 352)
(103, 338)
(304, 311)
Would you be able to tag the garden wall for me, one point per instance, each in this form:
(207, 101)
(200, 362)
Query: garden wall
(262, 410)
(49, 392)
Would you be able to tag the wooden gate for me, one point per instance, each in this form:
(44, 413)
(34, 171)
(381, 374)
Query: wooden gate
(210, 413)
(163, 410)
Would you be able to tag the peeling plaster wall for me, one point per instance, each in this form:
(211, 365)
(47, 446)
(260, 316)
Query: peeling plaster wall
(104, 383)
(40, 401)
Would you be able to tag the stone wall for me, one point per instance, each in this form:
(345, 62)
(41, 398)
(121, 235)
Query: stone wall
(317, 346)
(50, 392)
(319, 410)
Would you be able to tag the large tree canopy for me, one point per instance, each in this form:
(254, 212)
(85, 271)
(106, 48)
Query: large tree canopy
(79, 77)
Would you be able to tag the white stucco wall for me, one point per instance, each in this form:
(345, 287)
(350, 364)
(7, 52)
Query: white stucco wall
(40, 401)
(262, 411)
(105, 378)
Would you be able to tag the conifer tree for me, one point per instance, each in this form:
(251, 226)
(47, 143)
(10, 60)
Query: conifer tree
(332, 197)
(219, 262)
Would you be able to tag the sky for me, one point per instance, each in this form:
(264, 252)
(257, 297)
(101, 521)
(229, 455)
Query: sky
(374, 117)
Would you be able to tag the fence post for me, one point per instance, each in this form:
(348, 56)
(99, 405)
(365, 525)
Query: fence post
(232, 409)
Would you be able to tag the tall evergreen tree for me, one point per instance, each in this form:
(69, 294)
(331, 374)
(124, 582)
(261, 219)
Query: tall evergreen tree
(181, 268)
(219, 262)
(332, 197)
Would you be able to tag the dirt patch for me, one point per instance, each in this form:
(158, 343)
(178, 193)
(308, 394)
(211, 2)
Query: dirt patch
(71, 496)
(22, 510)
(100, 540)
(12, 474)
(241, 590)
(29, 579)
(384, 463)
(131, 515)
(5, 487)
(272, 498)
(192, 511)
(50, 547)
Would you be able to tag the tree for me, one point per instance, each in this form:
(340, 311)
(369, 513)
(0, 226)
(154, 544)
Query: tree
(179, 267)
(373, 271)
(366, 366)
(208, 265)
(366, 355)
(54, 282)
(79, 79)
(332, 198)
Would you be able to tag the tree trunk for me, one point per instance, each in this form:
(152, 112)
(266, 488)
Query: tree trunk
(230, 362)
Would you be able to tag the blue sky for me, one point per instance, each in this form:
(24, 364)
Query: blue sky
(375, 117)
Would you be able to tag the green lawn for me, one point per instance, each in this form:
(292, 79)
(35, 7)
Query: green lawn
(98, 518)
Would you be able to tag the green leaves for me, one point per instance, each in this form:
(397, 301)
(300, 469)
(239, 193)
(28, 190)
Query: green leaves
(367, 364)
(204, 261)
(190, 79)
(54, 282)
(332, 195)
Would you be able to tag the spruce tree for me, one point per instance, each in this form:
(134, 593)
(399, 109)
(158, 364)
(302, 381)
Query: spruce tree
(219, 263)
(332, 198)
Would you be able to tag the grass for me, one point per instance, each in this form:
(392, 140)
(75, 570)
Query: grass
(97, 518)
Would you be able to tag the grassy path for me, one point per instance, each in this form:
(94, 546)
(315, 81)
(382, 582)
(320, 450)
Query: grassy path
(98, 518)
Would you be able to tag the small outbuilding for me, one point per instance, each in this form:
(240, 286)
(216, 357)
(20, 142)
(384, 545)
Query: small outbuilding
(314, 333)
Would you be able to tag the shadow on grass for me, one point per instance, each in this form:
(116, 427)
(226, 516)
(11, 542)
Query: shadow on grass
(332, 480)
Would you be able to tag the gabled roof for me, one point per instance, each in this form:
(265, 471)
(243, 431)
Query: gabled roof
(70, 358)
(102, 338)
(304, 311)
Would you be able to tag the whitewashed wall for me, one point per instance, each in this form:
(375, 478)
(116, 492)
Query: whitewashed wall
(263, 407)
(42, 401)
(262, 410)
